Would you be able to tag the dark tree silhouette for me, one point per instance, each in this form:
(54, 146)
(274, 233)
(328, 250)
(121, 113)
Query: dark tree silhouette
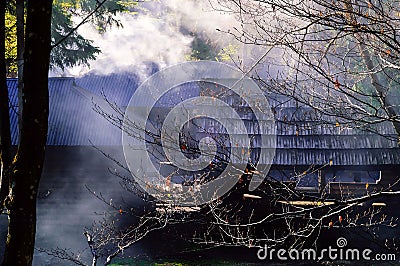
(21, 178)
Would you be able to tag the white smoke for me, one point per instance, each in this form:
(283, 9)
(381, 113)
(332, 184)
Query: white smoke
(141, 39)
(159, 35)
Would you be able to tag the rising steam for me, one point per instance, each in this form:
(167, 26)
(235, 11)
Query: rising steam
(162, 34)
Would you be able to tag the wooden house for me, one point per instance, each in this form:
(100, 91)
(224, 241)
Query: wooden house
(309, 154)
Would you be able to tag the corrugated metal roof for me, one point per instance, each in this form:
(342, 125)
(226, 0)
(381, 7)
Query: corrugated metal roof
(353, 157)
(13, 96)
(118, 88)
(73, 122)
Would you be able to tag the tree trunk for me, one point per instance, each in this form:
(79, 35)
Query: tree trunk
(378, 83)
(26, 169)
(20, 11)
(5, 134)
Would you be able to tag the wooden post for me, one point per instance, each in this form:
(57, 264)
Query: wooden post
(321, 181)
